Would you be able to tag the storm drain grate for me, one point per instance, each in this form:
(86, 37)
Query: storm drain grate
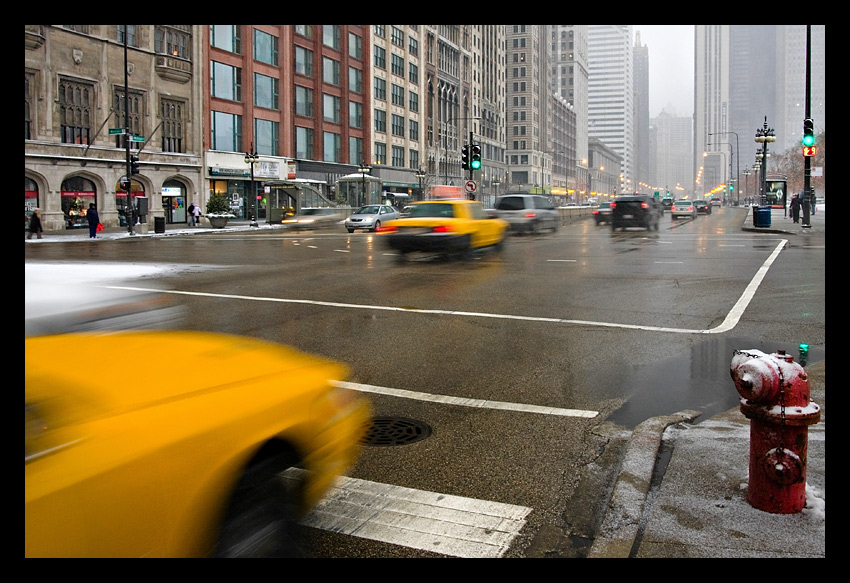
(388, 431)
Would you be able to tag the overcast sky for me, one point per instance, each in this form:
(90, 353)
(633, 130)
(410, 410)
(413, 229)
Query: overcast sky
(671, 66)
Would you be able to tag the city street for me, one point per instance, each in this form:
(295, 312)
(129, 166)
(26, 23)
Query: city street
(521, 368)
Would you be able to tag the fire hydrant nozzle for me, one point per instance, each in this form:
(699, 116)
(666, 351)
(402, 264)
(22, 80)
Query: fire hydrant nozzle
(776, 398)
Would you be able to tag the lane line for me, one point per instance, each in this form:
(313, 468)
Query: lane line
(728, 323)
(466, 402)
(455, 526)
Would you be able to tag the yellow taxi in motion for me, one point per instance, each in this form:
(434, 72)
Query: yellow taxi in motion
(178, 444)
(447, 226)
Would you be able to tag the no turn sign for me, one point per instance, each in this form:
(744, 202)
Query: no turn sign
(470, 186)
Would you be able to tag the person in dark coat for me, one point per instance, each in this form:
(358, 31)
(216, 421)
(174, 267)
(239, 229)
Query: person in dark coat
(35, 224)
(94, 220)
(795, 208)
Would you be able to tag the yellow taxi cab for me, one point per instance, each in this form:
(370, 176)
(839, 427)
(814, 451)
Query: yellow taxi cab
(178, 444)
(446, 226)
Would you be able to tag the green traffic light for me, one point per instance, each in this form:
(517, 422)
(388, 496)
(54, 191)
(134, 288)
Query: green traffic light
(476, 164)
(808, 140)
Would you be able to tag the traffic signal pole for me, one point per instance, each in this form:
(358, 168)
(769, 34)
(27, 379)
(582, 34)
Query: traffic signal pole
(808, 195)
(128, 208)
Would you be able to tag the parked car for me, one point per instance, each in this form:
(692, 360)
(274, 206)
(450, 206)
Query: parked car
(314, 218)
(455, 226)
(371, 217)
(683, 208)
(635, 211)
(204, 456)
(702, 207)
(528, 213)
(602, 214)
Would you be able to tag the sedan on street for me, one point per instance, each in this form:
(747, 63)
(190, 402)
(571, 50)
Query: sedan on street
(217, 450)
(703, 208)
(683, 208)
(313, 218)
(446, 227)
(371, 217)
(602, 214)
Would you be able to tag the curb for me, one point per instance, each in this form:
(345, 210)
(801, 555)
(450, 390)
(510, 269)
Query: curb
(619, 528)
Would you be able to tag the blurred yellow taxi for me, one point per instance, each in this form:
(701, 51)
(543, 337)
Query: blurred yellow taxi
(447, 226)
(178, 444)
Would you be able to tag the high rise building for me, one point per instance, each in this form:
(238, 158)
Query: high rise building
(569, 82)
(611, 94)
(644, 158)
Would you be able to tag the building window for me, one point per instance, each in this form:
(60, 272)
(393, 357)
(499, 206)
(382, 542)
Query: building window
(380, 153)
(355, 114)
(303, 61)
(380, 89)
(330, 71)
(75, 106)
(226, 132)
(355, 150)
(172, 125)
(397, 66)
(380, 121)
(175, 40)
(226, 37)
(265, 47)
(331, 108)
(132, 38)
(29, 85)
(398, 156)
(414, 130)
(397, 37)
(380, 57)
(355, 46)
(226, 81)
(398, 125)
(398, 95)
(304, 143)
(266, 92)
(303, 101)
(413, 73)
(333, 147)
(331, 35)
(135, 118)
(414, 101)
(303, 29)
(266, 137)
(414, 159)
(355, 80)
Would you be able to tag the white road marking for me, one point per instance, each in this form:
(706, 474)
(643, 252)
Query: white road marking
(728, 323)
(449, 525)
(465, 402)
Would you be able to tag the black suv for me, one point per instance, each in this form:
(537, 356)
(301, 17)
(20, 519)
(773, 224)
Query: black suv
(635, 211)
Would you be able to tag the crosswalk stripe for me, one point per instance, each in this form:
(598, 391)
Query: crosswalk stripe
(449, 525)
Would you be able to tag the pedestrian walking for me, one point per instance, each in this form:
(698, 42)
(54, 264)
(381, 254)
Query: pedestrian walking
(795, 208)
(197, 214)
(35, 224)
(94, 221)
(192, 215)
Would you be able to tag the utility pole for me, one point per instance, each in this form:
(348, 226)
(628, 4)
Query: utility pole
(128, 204)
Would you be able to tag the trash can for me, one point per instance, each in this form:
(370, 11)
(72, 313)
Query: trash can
(159, 224)
(761, 216)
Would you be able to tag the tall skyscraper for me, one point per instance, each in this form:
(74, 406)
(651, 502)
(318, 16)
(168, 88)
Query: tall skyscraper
(611, 93)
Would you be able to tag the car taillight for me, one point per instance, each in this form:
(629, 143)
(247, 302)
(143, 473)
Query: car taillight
(595, 212)
(644, 205)
(530, 215)
(613, 205)
(386, 229)
(442, 229)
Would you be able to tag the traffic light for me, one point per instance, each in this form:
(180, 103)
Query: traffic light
(464, 157)
(475, 164)
(134, 165)
(808, 132)
(124, 185)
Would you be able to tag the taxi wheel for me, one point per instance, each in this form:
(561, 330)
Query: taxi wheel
(263, 514)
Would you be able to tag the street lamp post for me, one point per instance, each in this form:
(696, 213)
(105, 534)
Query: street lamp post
(251, 159)
(764, 136)
(363, 170)
(420, 174)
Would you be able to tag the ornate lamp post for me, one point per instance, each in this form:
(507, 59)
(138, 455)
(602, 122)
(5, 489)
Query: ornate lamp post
(420, 174)
(251, 158)
(363, 170)
(764, 136)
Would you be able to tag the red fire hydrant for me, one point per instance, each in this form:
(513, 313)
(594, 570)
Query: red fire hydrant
(776, 399)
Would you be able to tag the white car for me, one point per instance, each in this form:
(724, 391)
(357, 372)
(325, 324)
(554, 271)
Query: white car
(715, 202)
(371, 217)
(683, 208)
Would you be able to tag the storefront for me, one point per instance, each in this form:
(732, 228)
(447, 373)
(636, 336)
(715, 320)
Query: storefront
(77, 194)
(230, 175)
(174, 202)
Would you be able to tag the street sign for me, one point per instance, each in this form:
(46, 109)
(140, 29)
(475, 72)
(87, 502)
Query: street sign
(470, 186)
(116, 131)
(137, 138)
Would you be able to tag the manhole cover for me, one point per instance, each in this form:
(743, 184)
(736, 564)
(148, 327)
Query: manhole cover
(389, 431)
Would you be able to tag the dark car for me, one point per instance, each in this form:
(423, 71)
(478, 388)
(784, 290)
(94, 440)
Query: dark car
(602, 214)
(702, 207)
(666, 203)
(635, 211)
